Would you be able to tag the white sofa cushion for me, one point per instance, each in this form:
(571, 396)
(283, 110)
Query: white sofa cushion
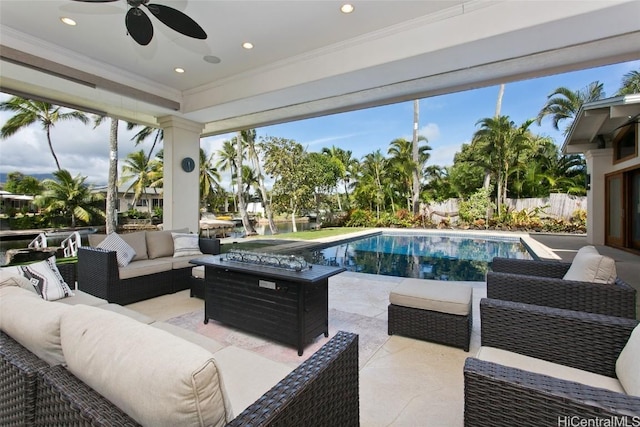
(80, 297)
(160, 243)
(132, 314)
(240, 368)
(45, 278)
(628, 364)
(138, 242)
(433, 295)
(124, 252)
(185, 244)
(95, 239)
(33, 322)
(592, 267)
(155, 377)
(198, 272)
(589, 249)
(539, 366)
(145, 267)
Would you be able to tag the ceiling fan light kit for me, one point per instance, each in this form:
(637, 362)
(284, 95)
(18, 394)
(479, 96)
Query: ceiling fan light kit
(139, 25)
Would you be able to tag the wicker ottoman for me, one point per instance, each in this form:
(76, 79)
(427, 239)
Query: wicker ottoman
(432, 310)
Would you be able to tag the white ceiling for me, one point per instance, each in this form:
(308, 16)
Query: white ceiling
(309, 59)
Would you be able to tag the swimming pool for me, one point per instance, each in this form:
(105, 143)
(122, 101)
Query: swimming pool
(425, 256)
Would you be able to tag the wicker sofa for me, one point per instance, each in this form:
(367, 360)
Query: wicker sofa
(499, 394)
(154, 271)
(541, 283)
(82, 365)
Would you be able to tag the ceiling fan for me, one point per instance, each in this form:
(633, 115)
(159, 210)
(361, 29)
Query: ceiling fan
(139, 25)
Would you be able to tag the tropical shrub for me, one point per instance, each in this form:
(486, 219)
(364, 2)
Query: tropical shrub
(476, 206)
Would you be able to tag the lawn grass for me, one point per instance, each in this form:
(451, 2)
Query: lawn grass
(317, 234)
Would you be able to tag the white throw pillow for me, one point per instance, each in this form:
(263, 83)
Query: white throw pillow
(185, 244)
(124, 252)
(593, 268)
(45, 278)
(628, 364)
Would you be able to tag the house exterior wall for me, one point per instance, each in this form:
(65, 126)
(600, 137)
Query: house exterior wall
(600, 162)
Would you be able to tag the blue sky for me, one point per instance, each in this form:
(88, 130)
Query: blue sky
(447, 121)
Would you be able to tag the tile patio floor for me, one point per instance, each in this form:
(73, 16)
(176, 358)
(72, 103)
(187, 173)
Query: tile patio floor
(406, 382)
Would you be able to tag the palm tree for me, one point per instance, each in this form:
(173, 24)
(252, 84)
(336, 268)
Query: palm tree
(345, 162)
(563, 103)
(401, 162)
(69, 197)
(29, 112)
(500, 143)
(112, 179)
(139, 171)
(248, 227)
(144, 133)
(227, 162)
(630, 83)
(252, 150)
(372, 178)
(209, 176)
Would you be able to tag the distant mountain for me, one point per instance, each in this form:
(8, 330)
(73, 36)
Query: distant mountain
(39, 176)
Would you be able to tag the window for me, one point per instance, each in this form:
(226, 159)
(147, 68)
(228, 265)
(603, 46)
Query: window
(625, 145)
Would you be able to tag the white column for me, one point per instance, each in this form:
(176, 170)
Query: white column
(181, 192)
(598, 164)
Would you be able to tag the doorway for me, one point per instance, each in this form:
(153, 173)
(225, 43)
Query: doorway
(622, 214)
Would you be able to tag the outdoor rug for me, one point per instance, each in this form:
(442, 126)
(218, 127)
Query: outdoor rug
(372, 335)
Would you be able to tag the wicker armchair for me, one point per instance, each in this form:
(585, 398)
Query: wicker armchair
(497, 395)
(542, 283)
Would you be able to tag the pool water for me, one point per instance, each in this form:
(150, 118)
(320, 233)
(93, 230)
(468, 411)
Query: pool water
(431, 256)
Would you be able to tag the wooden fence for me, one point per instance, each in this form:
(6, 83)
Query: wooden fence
(557, 205)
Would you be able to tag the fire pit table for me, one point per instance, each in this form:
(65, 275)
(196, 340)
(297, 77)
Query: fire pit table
(279, 297)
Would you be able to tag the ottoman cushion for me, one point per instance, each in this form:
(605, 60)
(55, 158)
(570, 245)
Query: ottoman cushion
(433, 295)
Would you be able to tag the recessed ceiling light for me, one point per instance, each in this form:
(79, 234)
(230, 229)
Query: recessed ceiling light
(212, 59)
(247, 45)
(347, 8)
(179, 70)
(68, 21)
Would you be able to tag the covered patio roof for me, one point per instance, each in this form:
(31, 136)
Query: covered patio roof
(309, 59)
(598, 122)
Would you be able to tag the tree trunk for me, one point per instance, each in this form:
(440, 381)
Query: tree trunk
(416, 159)
(294, 227)
(112, 184)
(266, 203)
(248, 227)
(51, 148)
(499, 102)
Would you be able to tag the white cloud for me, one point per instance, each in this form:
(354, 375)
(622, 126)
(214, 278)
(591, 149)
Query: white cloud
(442, 155)
(431, 131)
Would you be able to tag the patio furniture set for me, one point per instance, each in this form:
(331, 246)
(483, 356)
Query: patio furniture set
(560, 342)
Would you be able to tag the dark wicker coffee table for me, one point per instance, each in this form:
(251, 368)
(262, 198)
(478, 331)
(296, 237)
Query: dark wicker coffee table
(287, 306)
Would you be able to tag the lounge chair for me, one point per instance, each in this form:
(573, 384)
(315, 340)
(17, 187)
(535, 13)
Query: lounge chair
(502, 391)
(545, 283)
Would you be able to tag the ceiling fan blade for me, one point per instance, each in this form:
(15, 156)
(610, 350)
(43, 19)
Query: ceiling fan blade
(177, 20)
(139, 26)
